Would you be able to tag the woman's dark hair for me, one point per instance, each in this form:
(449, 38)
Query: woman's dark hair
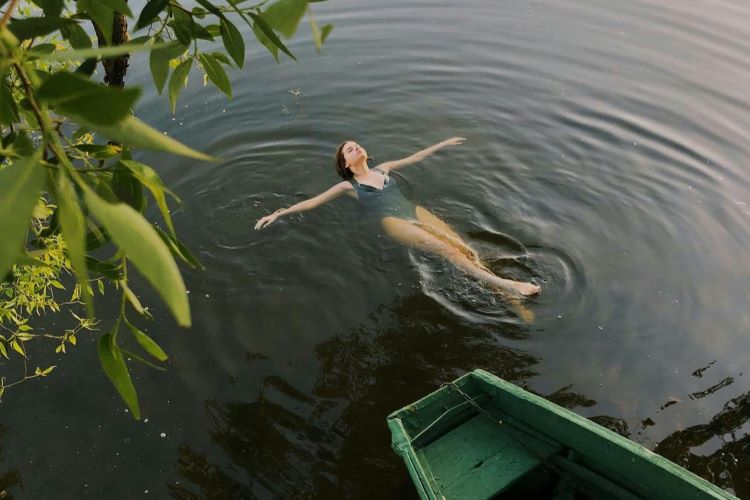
(341, 169)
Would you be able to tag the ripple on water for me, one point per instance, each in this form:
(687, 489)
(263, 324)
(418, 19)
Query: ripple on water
(560, 276)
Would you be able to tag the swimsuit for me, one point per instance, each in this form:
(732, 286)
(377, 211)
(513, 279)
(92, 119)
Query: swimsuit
(384, 202)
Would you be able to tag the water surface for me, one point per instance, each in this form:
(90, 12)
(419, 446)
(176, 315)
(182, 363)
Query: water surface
(605, 157)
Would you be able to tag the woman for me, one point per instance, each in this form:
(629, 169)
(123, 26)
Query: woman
(402, 220)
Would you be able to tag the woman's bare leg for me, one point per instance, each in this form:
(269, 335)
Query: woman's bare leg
(449, 235)
(415, 235)
(445, 232)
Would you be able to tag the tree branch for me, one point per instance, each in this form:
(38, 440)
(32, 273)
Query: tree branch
(8, 13)
(30, 96)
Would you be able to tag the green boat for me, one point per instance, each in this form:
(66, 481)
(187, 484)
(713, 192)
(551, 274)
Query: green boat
(482, 437)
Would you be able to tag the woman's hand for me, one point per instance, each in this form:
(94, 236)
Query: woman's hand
(267, 220)
(453, 141)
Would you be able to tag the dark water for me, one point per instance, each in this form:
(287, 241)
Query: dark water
(606, 157)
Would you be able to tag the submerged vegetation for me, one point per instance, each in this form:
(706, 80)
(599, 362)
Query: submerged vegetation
(69, 186)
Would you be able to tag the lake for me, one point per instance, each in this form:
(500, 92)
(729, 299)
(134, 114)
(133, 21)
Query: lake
(606, 158)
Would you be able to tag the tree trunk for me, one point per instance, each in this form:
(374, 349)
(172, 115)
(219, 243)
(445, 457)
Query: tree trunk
(115, 68)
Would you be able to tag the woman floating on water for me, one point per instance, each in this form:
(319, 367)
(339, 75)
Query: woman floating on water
(402, 220)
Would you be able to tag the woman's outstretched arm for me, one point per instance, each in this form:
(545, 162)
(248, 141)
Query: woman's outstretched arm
(324, 197)
(420, 155)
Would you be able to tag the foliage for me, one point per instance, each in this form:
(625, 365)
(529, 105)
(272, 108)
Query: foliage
(70, 140)
(33, 289)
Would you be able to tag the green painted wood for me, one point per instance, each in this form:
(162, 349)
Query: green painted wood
(488, 449)
(453, 451)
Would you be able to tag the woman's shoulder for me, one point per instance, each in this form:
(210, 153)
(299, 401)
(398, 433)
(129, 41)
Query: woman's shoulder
(343, 187)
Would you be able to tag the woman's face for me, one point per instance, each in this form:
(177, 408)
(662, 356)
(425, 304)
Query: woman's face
(353, 153)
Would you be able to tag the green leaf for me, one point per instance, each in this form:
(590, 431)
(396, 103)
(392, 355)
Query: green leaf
(149, 178)
(143, 247)
(152, 9)
(268, 31)
(76, 35)
(159, 65)
(285, 16)
(148, 344)
(178, 81)
(128, 189)
(325, 31)
(99, 151)
(266, 42)
(180, 250)
(213, 29)
(201, 32)
(87, 67)
(114, 366)
(20, 185)
(74, 231)
(23, 143)
(233, 41)
(32, 27)
(41, 50)
(24, 260)
(143, 360)
(4, 352)
(137, 134)
(133, 299)
(89, 102)
(317, 37)
(8, 108)
(103, 52)
(222, 58)
(102, 15)
(263, 32)
(182, 25)
(51, 8)
(216, 73)
(17, 347)
(159, 62)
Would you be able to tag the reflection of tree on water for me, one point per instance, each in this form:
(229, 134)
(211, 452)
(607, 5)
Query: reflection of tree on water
(333, 442)
(718, 450)
(9, 479)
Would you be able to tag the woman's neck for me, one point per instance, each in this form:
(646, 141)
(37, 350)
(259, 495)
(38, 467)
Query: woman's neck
(360, 168)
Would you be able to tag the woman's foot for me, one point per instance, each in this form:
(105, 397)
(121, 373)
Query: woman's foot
(520, 287)
(527, 289)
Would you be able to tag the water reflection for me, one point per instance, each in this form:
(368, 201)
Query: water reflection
(718, 450)
(333, 442)
(10, 479)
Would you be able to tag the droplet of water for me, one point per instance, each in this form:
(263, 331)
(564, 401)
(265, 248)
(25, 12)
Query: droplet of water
(163, 434)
